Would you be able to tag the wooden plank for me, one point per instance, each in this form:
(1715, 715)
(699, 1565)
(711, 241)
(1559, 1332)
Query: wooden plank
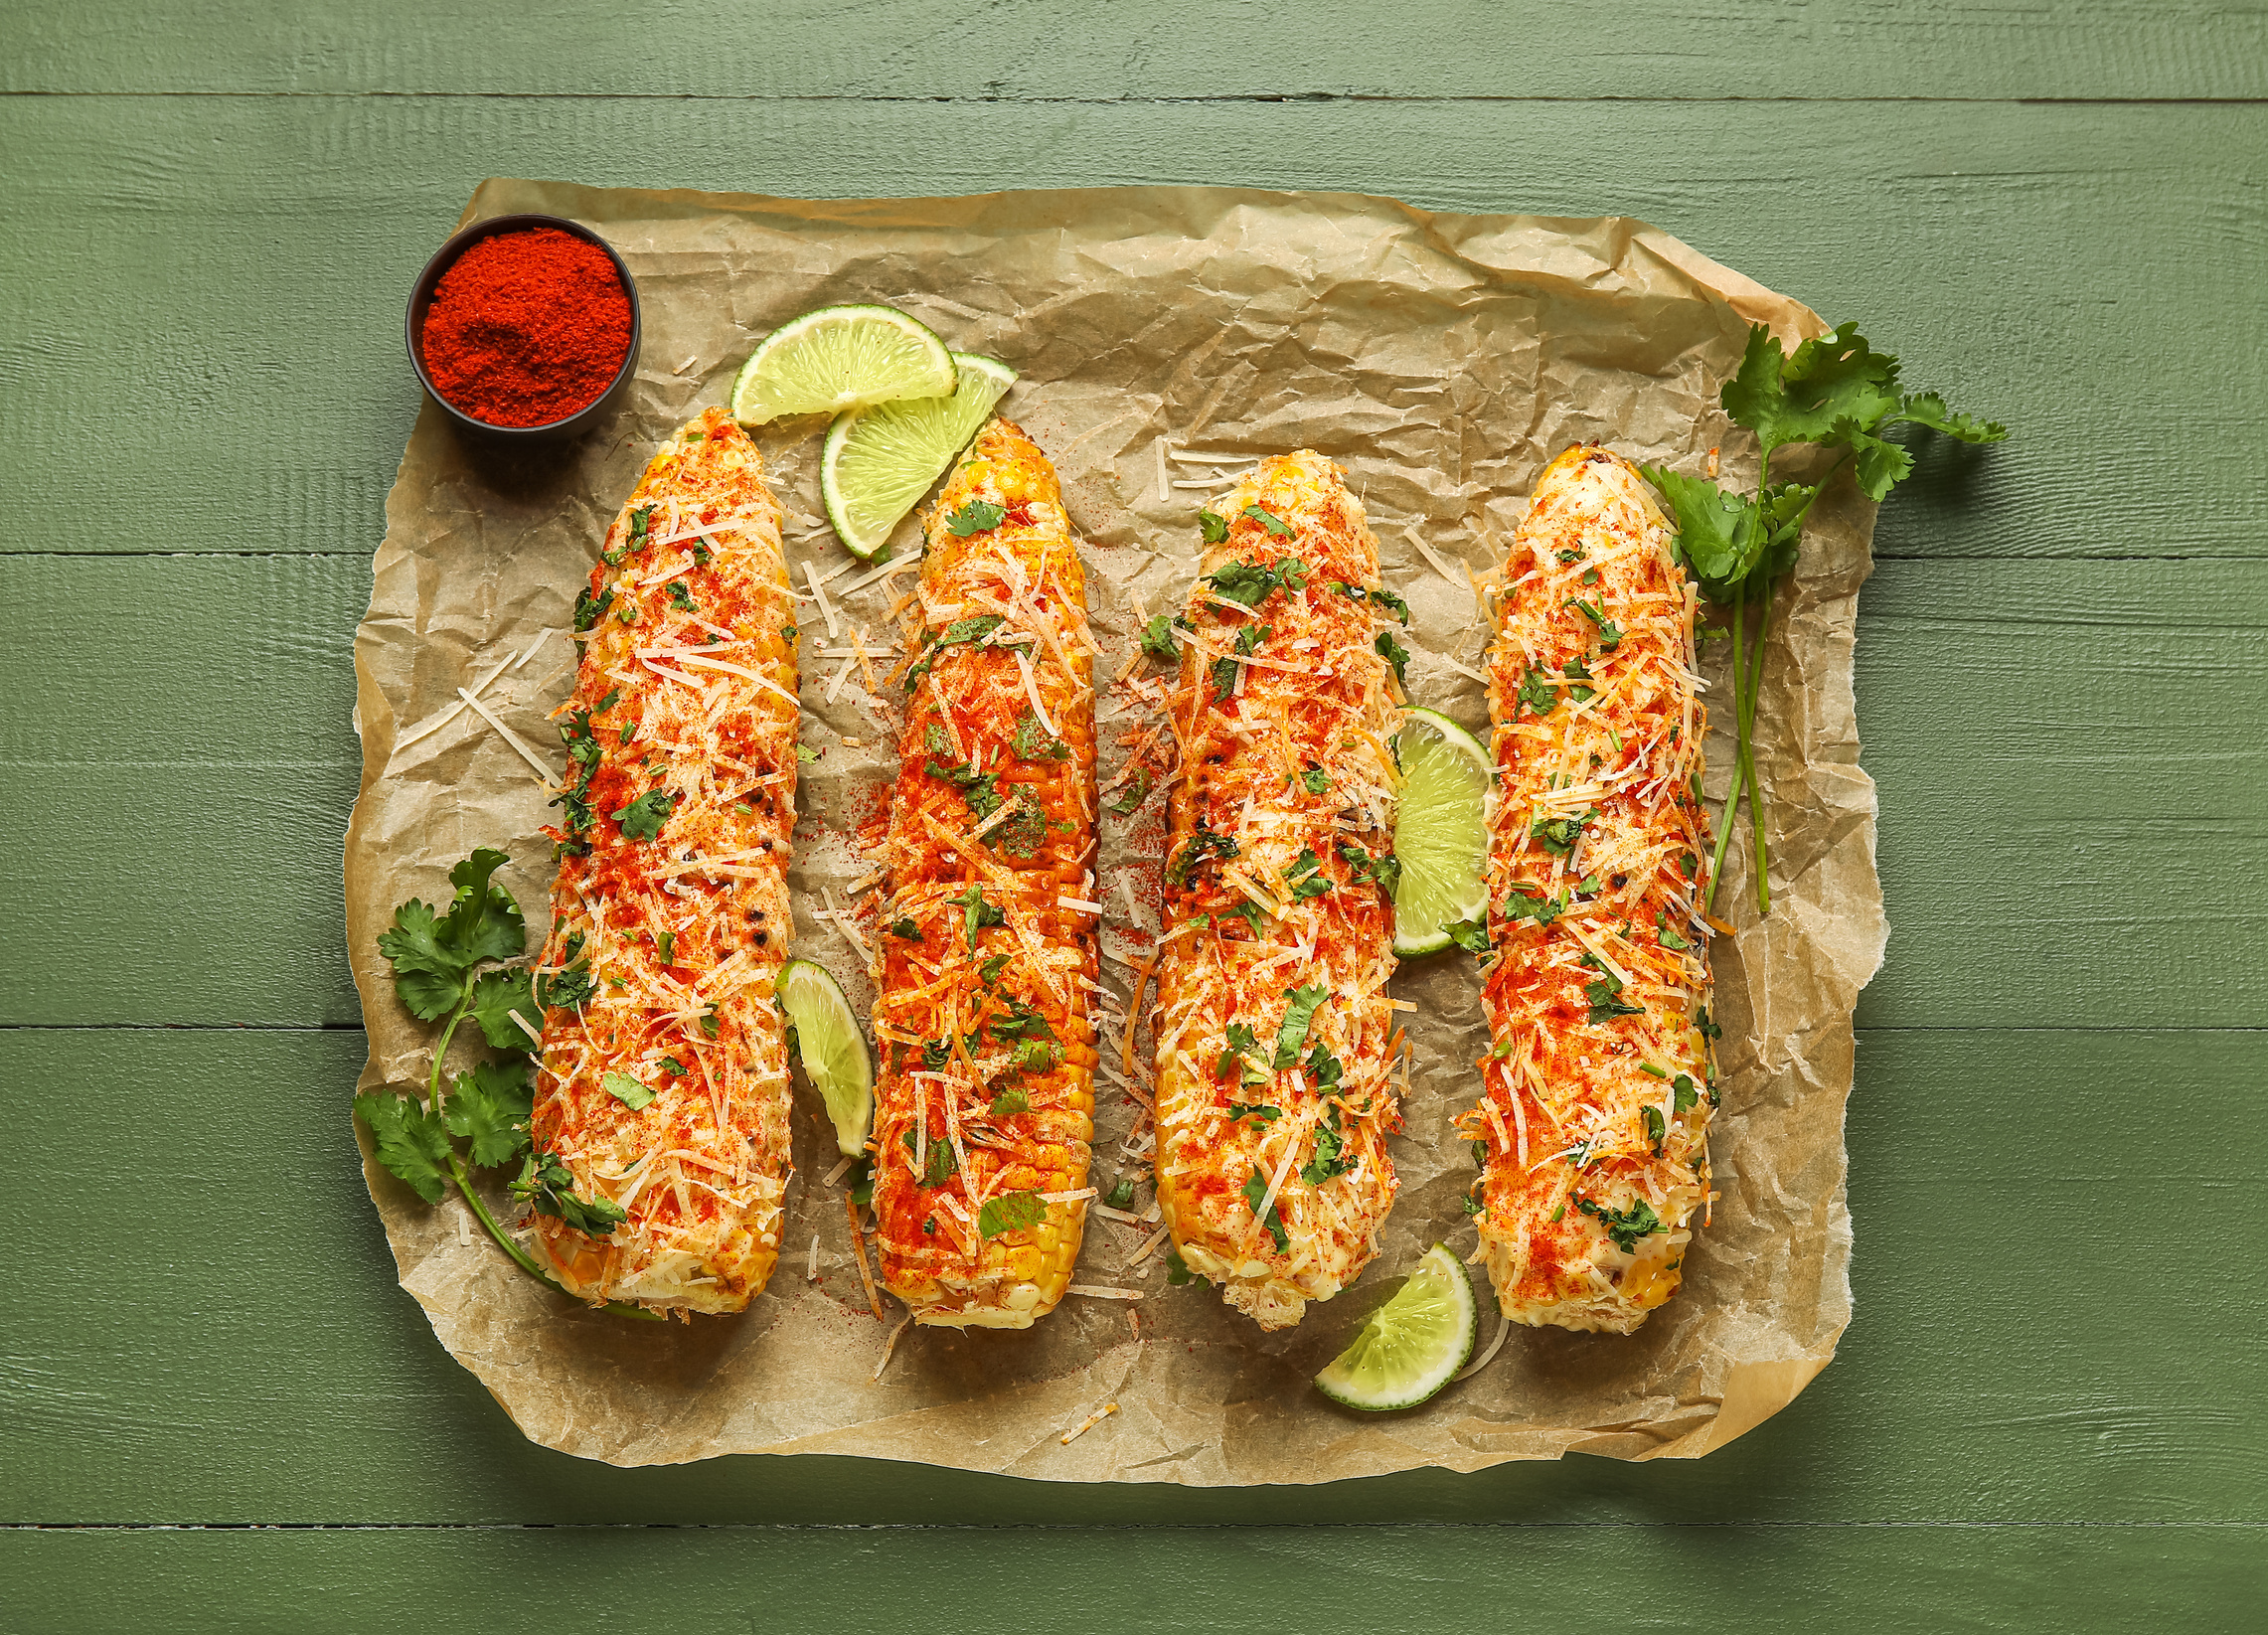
(2020, 1353)
(1033, 51)
(2074, 801)
(2053, 743)
(1039, 1581)
(181, 762)
(2071, 269)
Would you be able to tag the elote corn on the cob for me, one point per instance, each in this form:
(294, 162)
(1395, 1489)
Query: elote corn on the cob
(1595, 1114)
(663, 1087)
(1272, 1022)
(984, 1107)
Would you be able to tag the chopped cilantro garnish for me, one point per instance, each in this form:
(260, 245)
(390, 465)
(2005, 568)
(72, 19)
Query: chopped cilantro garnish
(1268, 520)
(1299, 1016)
(1625, 1226)
(976, 517)
(643, 818)
(1251, 583)
(1010, 1212)
(1257, 1188)
(1202, 846)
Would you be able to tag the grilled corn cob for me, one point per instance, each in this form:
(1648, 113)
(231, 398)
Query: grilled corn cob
(984, 1109)
(662, 1089)
(1595, 1114)
(1272, 1022)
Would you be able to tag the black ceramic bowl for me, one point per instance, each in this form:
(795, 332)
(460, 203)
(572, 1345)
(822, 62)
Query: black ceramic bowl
(421, 298)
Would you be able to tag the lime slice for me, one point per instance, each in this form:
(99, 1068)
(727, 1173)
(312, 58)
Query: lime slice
(834, 1051)
(879, 461)
(837, 358)
(1440, 832)
(1412, 1345)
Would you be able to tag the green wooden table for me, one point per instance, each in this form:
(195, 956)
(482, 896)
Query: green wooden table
(221, 1412)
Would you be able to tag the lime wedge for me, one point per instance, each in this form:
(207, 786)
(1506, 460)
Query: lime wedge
(1412, 1345)
(832, 1047)
(1440, 832)
(837, 358)
(879, 461)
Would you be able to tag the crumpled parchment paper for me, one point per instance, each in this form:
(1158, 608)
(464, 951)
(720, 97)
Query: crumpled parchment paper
(1442, 360)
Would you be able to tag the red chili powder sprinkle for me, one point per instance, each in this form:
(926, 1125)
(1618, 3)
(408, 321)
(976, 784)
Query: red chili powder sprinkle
(527, 327)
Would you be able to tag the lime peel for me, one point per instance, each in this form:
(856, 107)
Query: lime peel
(832, 1047)
(1413, 1344)
(1442, 834)
(838, 358)
(879, 461)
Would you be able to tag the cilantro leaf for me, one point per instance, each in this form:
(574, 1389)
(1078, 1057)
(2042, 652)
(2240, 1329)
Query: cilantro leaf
(1392, 603)
(1177, 1269)
(1213, 526)
(589, 610)
(1256, 1189)
(1625, 1226)
(1669, 937)
(1158, 638)
(1258, 1111)
(1033, 741)
(1249, 584)
(1538, 692)
(1928, 409)
(1609, 633)
(496, 997)
(1010, 1212)
(430, 954)
(1472, 935)
(1605, 996)
(1559, 835)
(1121, 1193)
(627, 1090)
(1326, 1162)
(1525, 902)
(1202, 844)
(1008, 1102)
(1299, 1016)
(1137, 791)
(906, 928)
(546, 1186)
(643, 818)
(412, 1142)
(976, 517)
(1315, 779)
(980, 913)
(1385, 869)
(492, 1104)
(1394, 653)
(1268, 520)
(973, 628)
(1787, 400)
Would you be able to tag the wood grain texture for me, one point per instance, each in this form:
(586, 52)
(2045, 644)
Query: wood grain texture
(1034, 50)
(2073, 269)
(251, 1359)
(1041, 1581)
(2039, 730)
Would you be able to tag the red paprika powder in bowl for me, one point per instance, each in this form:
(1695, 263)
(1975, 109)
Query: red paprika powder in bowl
(525, 328)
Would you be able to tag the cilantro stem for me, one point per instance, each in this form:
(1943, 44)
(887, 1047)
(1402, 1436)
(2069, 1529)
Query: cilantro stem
(504, 1240)
(1747, 707)
(1739, 765)
(521, 1257)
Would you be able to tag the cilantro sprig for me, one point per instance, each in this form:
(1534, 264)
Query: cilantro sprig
(1836, 391)
(437, 959)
